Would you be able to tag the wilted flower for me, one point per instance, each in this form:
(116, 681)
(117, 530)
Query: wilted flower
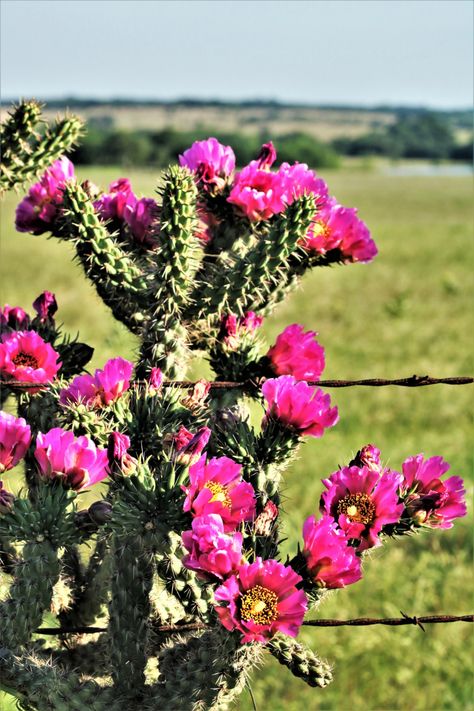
(156, 379)
(6, 500)
(211, 551)
(196, 399)
(361, 502)
(233, 328)
(13, 318)
(428, 500)
(120, 461)
(45, 306)
(102, 388)
(211, 162)
(189, 446)
(297, 353)
(264, 522)
(298, 406)
(267, 156)
(38, 211)
(368, 456)
(26, 357)
(260, 600)
(216, 487)
(15, 438)
(330, 561)
(74, 460)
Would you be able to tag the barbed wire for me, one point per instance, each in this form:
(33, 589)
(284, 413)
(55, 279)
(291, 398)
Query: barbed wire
(413, 381)
(417, 620)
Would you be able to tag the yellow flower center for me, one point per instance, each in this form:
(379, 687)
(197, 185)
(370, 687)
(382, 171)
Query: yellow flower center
(259, 604)
(219, 493)
(320, 229)
(358, 508)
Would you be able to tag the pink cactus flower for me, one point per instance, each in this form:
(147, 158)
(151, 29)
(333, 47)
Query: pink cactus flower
(260, 600)
(26, 357)
(117, 455)
(267, 156)
(45, 306)
(257, 193)
(212, 553)
(211, 162)
(102, 388)
(6, 500)
(75, 460)
(361, 502)
(189, 446)
(301, 180)
(112, 206)
(339, 227)
(38, 211)
(330, 560)
(216, 487)
(140, 217)
(298, 406)
(297, 353)
(15, 438)
(13, 318)
(368, 456)
(428, 500)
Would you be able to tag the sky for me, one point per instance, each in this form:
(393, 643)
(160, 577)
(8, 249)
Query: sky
(365, 52)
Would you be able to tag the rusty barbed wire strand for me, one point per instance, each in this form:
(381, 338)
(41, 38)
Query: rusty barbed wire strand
(418, 620)
(413, 381)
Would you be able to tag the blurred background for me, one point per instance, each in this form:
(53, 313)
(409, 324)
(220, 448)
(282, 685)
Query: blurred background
(376, 96)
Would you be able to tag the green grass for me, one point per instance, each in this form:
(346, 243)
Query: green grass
(406, 313)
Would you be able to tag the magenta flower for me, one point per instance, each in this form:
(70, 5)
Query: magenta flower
(234, 327)
(75, 460)
(13, 318)
(24, 356)
(428, 500)
(330, 560)
(140, 217)
(112, 206)
(212, 553)
(298, 406)
(361, 502)
(45, 306)
(261, 600)
(15, 438)
(297, 353)
(300, 180)
(211, 162)
(102, 388)
(38, 211)
(216, 487)
(338, 227)
(258, 194)
(117, 455)
(189, 446)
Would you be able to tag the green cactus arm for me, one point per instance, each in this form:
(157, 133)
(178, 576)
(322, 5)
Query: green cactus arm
(247, 283)
(17, 130)
(129, 610)
(177, 259)
(118, 279)
(30, 594)
(301, 661)
(33, 159)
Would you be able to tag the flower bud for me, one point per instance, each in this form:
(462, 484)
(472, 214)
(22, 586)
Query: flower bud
(100, 512)
(267, 156)
(6, 500)
(45, 306)
(155, 380)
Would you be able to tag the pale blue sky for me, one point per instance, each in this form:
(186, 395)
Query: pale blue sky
(414, 52)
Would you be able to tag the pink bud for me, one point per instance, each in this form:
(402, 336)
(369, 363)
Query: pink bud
(267, 156)
(45, 306)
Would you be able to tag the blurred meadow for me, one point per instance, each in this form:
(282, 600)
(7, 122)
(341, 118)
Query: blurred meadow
(406, 313)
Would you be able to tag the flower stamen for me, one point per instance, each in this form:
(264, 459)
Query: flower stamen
(219, 493)
(358, 508)
(259, 605)
(25, 360)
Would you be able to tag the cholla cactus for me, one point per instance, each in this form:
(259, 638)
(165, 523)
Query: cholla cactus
(185, 575)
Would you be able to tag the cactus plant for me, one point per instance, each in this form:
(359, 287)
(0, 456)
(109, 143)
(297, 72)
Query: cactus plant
(178, 561)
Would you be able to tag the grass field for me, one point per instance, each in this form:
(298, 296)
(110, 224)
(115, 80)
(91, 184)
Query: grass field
(406, 313)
